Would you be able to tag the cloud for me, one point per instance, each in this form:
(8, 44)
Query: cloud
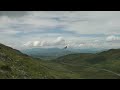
(29, 43)
(112, 38)
(77, 21)
(36, 43)
(95, 22)
(53, 28)
(57, 42)
(60, 42)
(13, 14)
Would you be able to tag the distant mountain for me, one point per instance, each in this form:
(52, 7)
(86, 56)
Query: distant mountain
(52, 53)
(46, 52)
(89, 50)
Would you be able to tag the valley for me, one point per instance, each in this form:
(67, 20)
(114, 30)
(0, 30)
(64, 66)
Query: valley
(16, 65)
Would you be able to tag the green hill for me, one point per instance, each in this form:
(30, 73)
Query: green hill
(16, 65)
(104, 62)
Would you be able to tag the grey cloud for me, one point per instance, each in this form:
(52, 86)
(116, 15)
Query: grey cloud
(79, 23)
(13, 13)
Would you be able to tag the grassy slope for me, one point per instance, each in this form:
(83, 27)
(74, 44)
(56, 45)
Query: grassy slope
(91, 65)
(14, 64)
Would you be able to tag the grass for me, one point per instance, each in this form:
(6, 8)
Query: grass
(15, 65)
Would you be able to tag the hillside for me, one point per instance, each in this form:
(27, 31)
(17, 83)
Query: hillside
(105, 62)
(16, 65)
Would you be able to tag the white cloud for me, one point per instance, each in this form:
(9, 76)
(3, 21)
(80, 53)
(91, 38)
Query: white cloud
(29, 43)
(81, 45)
(112, 38)
(57, 42)
(60, 42)
(36, 43)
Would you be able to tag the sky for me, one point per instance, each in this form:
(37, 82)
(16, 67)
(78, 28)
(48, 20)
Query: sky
(46, 29)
